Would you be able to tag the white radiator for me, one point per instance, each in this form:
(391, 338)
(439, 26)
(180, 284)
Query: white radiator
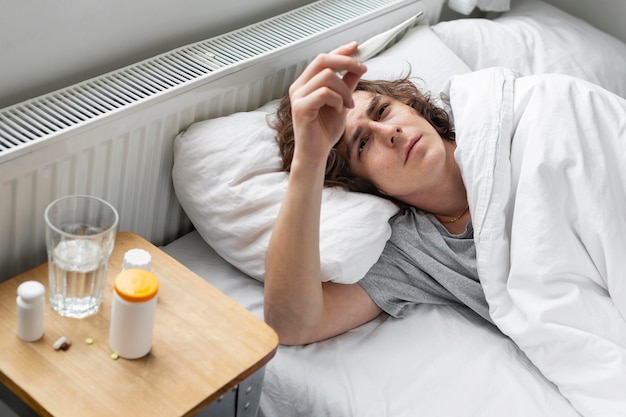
(112, 136)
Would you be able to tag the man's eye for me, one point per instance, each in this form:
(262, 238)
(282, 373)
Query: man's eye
(382, 110)
(362, 144)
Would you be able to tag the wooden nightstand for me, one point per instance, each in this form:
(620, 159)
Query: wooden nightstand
(204, 346)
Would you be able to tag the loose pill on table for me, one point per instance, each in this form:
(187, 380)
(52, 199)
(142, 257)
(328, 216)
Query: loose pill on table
(62, 343)
(114, 356)
(89, 341)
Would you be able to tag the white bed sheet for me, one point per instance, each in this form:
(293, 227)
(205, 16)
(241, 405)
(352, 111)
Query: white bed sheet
(437, 361)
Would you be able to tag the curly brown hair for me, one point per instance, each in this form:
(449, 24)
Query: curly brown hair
(338, 172)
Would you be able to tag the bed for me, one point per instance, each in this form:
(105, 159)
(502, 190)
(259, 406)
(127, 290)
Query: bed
(438, 360)
(212, 204)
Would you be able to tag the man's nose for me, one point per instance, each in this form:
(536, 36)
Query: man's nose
(388, 135)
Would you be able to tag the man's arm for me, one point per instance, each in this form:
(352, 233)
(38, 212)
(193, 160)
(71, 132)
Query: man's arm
(297, 305)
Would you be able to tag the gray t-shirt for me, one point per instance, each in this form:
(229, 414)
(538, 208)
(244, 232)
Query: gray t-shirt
(423, 263)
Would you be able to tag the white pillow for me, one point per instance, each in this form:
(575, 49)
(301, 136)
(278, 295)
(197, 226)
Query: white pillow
(535, 38)
(421, 53)
(227, 178)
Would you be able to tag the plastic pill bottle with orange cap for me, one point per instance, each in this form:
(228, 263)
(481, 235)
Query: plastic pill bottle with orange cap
(133, 309)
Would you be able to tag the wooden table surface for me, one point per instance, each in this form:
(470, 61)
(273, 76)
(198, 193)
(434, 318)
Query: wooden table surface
(203, 345)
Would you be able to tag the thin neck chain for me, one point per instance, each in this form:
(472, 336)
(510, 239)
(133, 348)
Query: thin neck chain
(457, 217)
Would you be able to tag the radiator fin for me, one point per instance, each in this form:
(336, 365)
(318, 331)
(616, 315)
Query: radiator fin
(33, 120)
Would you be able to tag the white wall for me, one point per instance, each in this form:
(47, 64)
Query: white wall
(46, 45)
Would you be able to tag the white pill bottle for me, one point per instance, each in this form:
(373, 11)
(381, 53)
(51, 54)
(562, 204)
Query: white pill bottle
(133, 309)
(30, 308)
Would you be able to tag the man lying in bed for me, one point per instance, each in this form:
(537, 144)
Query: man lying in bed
(385, 146)
(529, 197)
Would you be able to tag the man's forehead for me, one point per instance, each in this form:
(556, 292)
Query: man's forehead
(361, 102)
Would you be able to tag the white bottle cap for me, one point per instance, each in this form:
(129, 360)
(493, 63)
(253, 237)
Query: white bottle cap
(30, 291)
(137, 258)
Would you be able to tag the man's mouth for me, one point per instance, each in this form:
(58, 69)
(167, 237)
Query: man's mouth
(411, 147)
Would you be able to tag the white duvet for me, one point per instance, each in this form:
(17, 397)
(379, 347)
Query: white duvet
(544, 161)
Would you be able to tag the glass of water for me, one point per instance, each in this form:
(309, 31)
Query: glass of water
(80, 234)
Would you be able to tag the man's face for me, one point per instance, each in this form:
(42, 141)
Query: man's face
(393, 146)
